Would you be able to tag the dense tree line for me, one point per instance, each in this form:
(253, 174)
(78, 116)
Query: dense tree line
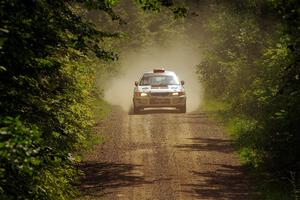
(49, 57)
(252, 67)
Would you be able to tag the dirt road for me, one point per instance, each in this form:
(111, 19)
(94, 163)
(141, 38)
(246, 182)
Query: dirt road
(163, 155)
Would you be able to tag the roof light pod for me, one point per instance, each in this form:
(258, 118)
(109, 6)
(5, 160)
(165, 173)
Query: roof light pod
(161, 70)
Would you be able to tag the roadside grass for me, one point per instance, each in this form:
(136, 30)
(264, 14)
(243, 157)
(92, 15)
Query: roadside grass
(240, 129)
(100, 110)
(216, 109)
(211, 105)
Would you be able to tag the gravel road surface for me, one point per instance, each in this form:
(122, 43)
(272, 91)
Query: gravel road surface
(163, 155)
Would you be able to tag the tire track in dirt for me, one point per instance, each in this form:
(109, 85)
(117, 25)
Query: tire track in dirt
(162, 155)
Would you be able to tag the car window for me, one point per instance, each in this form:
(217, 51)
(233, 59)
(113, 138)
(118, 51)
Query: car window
(159, 80)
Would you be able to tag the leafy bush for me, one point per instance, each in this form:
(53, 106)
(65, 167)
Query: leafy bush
(20, 157)
(29, 169)
(248, 139)
(253, 65)
(48, 58)
(49, 55)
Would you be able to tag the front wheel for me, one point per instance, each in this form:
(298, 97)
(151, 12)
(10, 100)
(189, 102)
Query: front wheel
(136, 110)
(183, 109)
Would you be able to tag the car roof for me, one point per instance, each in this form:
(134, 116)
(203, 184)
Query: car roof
(160, 73)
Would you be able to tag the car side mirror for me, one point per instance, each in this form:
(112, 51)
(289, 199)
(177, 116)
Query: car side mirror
(182, 82)
(136, 83)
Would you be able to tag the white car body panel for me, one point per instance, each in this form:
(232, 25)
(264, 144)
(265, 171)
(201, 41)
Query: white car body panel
(160, 96)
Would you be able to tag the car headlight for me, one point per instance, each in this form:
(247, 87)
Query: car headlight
(178, 93)
(141, 94)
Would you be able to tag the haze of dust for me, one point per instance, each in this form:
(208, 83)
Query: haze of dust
(180, 59)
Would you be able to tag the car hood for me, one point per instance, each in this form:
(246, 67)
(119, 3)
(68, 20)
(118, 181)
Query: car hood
(167, 88)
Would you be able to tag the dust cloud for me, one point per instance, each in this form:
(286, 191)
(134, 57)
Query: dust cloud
(180, 58)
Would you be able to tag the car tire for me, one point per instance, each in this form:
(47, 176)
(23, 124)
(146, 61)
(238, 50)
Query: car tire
(136, 110)
(182, 109)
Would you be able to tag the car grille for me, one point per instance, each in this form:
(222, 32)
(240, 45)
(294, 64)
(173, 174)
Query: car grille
(160, 94)
(160, 101)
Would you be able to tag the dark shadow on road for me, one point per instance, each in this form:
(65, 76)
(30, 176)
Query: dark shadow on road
(197, 114)
(155, 111)
(227, 182)
(208, 144)
(100, 177)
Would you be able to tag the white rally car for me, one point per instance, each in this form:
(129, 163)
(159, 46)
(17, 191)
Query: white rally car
(159, 88)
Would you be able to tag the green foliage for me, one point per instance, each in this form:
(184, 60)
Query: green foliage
(150, 5)
(214, 105)
(275, 190)
(146, 29)
(248, 139)
(28, 168)
(48, 57)
(20, 156)
(253, 65)
(156, 6)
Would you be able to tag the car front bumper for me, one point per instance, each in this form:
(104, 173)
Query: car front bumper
(149, 102)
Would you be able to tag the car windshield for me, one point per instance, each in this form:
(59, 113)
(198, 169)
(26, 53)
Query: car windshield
(159, 80)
